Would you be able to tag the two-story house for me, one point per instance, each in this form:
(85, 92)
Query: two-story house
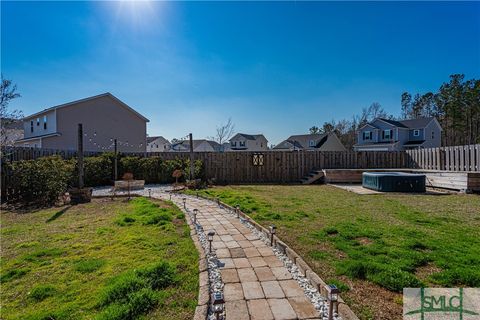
(248, 142)
(104, 118)
(158, 144)
(312, 142)
(391, 135)
(201, 145)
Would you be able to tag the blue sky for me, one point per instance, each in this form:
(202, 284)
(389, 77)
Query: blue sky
(274, 67)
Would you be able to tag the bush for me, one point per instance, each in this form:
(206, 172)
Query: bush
(99, 171)
(40, 181)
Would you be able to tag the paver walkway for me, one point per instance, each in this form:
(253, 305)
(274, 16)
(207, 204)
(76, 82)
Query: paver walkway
(257, 285)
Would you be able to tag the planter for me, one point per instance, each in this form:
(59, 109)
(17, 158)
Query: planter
(82, 195)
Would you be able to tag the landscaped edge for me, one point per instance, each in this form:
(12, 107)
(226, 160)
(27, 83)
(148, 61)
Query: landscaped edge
(343, 309)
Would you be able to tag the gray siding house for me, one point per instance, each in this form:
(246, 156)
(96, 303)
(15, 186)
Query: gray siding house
(104, 118)
(158, 144)
(312, 142)
(390, 135)
(248, 142)
(201, 145)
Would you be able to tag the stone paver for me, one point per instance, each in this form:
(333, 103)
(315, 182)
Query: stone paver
(259, 310)
(272, 289)
(281, 309)
(237, 310)
(256, 284)
(233, 291)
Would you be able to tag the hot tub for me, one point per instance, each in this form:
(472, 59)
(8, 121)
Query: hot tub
(394, 181)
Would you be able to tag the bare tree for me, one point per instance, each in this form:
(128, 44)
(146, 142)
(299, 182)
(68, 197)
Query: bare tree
(225, 131)
(7, 117)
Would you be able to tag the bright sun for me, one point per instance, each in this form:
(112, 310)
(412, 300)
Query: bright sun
(138, 12)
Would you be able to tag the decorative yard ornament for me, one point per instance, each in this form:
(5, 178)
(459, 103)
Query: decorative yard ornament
(273, 230)
(332, 297)
(218, 304)
(195, 212)
(210, 235)
(128, 176)
(177, 174)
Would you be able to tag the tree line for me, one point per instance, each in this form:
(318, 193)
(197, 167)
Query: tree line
(456, 105)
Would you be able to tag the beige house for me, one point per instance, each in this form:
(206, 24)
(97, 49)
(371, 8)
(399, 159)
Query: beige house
(158, 144)
(248, 142)
(104, 118)
(311, 142)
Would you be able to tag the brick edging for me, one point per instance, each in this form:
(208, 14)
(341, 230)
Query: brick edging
(203, 301)
(343, 309)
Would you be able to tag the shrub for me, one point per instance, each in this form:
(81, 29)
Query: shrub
(99, 170)
(40, 181)
(41, 292)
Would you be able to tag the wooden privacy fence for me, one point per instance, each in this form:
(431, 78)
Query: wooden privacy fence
(291, 166)
(456, 158)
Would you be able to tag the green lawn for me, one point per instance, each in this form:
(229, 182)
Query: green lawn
(102, 260)
(372, 245)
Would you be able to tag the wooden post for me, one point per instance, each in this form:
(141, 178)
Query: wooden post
(192, 168)
(115, 165)
(80, 156)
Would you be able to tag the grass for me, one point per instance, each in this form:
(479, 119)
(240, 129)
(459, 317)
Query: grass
(102, 260)
(374, 243)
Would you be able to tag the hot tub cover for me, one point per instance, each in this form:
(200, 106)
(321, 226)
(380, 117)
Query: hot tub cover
(394, 181)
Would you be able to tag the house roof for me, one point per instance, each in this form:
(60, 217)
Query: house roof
(248, 136)
(413, 142)
(162, 139)
(417, 123)
(393, 122)
(302, 141)
(106, 94)
(186, 144)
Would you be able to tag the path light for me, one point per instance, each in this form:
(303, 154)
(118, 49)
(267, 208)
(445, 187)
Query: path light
(332, 296)
(184, 203)
(210, 239)
(197, 194)
(170, 197)
(218, 302)
(218, 201)
(195, 211)
(149, 193)
(237, 207)
(273, 229)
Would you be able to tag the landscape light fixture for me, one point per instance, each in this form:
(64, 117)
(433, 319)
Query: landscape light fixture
(237, 207)
(184, 203)
(170, 197)
(218, 303)
(197, 194)
(332, 297)
(210, 235)
(273, 230)
(195, 211)
(149, 193)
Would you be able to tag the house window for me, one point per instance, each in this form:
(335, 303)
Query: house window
(367, 135)
(44, 122)
(387, 134)
(38, 122)
(233, 143)
(242, 143)
(416, 133)
(311, 143)
(433, 134)
(31, 126)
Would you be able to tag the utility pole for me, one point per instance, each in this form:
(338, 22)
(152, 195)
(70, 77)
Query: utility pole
(115, 166)
(80, 156)
(192, 168)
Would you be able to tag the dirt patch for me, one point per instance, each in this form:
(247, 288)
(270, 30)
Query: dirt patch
(424, 272)
(364, 241)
